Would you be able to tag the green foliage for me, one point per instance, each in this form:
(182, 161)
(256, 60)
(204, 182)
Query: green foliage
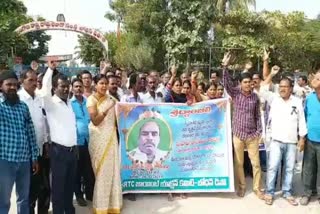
(155, 31)
(234, 4)
(187, 27)
(290, 38)
(30, 46)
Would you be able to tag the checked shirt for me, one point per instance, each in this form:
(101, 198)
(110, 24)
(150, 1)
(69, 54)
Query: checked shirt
(17, 134)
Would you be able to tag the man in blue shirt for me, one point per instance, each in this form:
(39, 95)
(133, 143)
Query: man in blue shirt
(84, 170)
(18, 146)
(311, 159)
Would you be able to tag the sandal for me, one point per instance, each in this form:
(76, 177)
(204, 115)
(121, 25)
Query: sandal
(260, 195)
(291, 200)
(241, 193)
(268, 199)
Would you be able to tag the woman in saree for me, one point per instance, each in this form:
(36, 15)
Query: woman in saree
(104, 151)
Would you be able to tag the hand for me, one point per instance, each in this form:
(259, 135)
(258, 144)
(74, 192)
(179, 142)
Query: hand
(189, 102)
(248, 66)
(265, 54)
(275, 70)
(301, 143)
(173, 70)
(194, 75)
(109, 106)
(226, 59)
(35, 167)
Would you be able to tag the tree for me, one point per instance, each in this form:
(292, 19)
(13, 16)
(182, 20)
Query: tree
(144, 22)
(293, 44)
(221, 5)
(186, 28)
(30, 46)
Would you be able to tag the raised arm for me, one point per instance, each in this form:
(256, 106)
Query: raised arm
(47, 81)
(266, 70)
(274, 71)
(194, 86)
(168, 87)
(228, 83)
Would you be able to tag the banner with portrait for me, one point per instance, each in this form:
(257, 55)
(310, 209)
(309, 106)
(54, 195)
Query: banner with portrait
(175, 147)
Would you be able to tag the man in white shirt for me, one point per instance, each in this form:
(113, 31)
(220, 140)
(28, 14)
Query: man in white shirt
(40, 189)
(287, 122)
(63, 151)
(301, 88)
(151, 96)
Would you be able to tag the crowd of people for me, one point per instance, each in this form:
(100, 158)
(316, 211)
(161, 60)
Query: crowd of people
(59, 138)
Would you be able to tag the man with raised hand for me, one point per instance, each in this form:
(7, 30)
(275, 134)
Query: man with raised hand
(246, 128)
(63, 132)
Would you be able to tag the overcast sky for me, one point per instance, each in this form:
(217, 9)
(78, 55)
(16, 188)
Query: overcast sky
(91, 13)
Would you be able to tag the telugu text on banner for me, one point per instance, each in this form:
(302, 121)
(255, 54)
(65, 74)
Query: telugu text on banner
(176, 147)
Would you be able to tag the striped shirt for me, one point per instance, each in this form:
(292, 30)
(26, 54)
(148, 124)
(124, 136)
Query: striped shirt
(18, 141)
(246, 122)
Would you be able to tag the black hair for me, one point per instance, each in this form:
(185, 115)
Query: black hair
(288, 79)
(133, 79)
(76, 80)
(84, 72)
(23, 75)
(245, 75)
(113, 76)
(215, 71)
(212, 84)
(257, 73)
(187, 82)
(58, 77)
(203, 85)
(177, 80)
(304, 78)
(98, 77)
(219, 84)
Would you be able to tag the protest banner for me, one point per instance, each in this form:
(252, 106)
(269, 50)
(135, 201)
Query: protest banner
(175, 147)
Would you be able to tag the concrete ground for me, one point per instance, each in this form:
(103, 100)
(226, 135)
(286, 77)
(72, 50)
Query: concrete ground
(226, 203)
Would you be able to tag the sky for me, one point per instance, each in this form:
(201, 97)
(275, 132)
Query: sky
(91, 13)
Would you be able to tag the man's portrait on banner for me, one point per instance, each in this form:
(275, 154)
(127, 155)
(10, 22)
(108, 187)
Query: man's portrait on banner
(149, 140)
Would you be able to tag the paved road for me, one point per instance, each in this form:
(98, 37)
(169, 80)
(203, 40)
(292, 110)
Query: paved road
(226, 203)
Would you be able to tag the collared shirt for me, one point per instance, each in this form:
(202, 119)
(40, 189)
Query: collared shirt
(287, 117)
(148, 99)
(312, 111)
(246, 115)
(138, 155)
(35, 106)
(18, 141)
(129, 98)
(60, 116)
(82, 120)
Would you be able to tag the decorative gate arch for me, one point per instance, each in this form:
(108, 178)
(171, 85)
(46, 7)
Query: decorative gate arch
(65, 26)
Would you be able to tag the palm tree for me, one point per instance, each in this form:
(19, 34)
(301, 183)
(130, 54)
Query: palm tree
(225, 5)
